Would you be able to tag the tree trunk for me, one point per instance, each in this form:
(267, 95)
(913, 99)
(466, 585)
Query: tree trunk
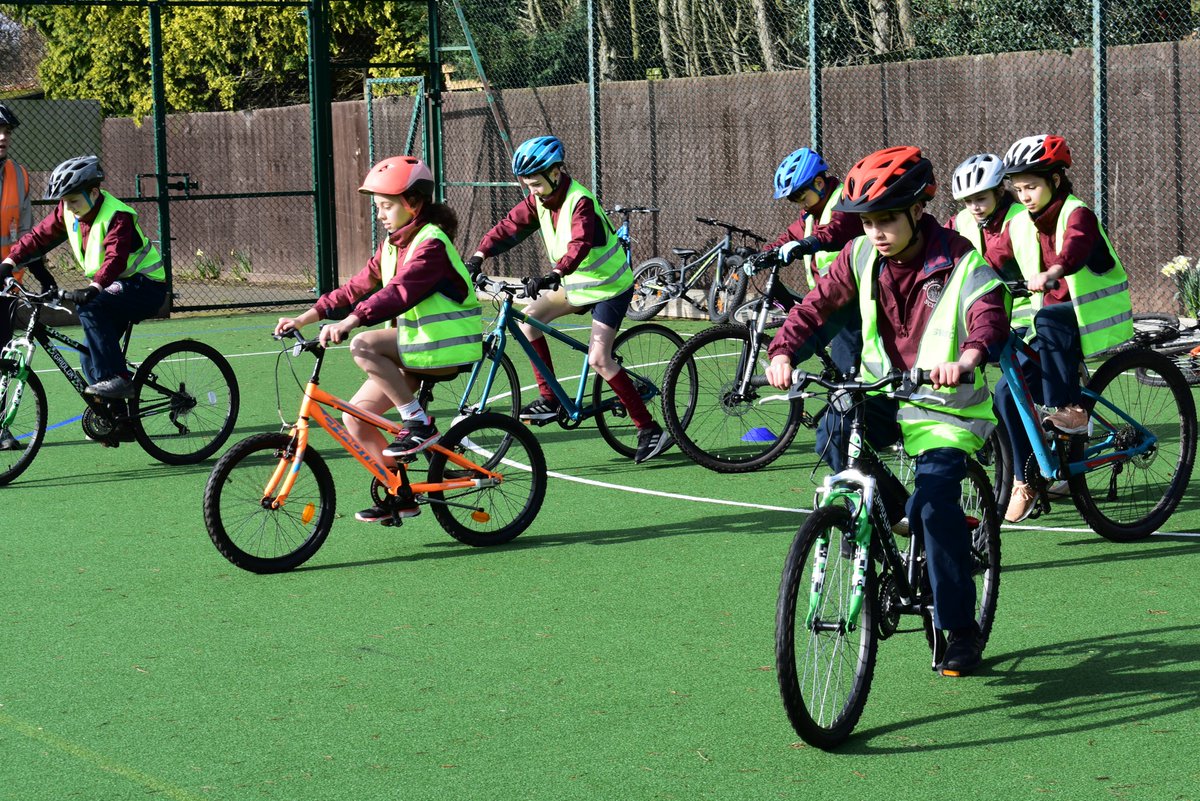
(766, 42)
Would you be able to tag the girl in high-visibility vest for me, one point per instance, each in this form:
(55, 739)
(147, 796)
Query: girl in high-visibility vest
(589, 275)
(416, 283)
(927, 299)
(1057, 237)
(127, 281)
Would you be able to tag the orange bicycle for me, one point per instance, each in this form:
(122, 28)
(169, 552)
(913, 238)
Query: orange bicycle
(269, 503)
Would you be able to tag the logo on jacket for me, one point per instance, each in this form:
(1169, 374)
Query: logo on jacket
(933, 293)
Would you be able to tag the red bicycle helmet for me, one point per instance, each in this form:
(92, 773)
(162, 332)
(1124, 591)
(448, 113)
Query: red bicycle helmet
(395, 176)
(888, 180)
(1044, 153)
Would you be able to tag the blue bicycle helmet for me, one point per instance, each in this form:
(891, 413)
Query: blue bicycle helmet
(798, 171)
(537, 155)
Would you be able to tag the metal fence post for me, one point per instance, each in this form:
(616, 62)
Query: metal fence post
(594, 96)
(320, 98)
(1100, 109)
(814, 79)
(160, 146)
(433, 104)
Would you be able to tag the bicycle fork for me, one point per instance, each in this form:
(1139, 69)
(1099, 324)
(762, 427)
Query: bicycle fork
(856, 490)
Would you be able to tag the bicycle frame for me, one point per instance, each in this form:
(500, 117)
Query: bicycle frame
(1096, 454)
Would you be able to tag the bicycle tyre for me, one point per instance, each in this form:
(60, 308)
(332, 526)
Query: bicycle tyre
(28, 425)
(747, 314)
(1128, 500)
(824, 715)
(644, 351)
(263, 540)
(721, 433)
(726, 294)
(650, 294)
(444, 399)
(980, 507)
(1180, 354)
(511, 506)
(197, 417)
(997, 454)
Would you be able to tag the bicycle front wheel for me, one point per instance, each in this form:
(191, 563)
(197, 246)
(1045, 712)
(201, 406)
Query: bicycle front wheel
(448, 398)
(644, 352)
(493, 511)
(654, 282)
(983, 518)
(726, 294)
(246, 531)
(824, 660)
(1127, 499)
(185, 402)
(725, 431)
(22, 420)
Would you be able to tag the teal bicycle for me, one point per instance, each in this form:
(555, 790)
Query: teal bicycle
(492, 384)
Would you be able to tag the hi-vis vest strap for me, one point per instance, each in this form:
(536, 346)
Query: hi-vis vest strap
(1103, 308)
(15, 182)
(143, 261)
(438, 331)
(951, 417)
(965, 223)
(603, 273)
(820, 262)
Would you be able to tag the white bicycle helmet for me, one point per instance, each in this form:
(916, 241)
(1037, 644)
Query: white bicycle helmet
(979, 173)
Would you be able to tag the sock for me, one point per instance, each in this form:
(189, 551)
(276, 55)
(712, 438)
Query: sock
(413, 411)
(542, 348)
(622, 384)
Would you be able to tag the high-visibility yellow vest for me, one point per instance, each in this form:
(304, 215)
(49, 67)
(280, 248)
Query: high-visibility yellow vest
(1103, 308)
(143, 261)
(950, 417)
(603, 273)
(439, 331)
(820, 262)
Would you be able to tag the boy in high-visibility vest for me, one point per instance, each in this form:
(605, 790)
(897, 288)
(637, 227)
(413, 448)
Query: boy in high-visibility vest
(589, 275)
(1057, 237)
(127, 281)
(417, 283)
(929, 300)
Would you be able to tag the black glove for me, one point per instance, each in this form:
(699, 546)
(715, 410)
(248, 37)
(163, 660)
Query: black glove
(6, 271)
(82, 297)
(474, 266)
(550, 281)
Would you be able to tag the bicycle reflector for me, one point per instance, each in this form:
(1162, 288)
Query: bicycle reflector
(309, 512)
(480, 516)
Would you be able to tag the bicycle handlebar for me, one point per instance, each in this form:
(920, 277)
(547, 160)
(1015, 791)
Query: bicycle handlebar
(498, 286)
(50, 297)
(1020, 289)
(904, 380)
(627, 210)
(731, 228)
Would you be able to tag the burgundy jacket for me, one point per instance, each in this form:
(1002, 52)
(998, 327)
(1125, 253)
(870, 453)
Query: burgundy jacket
(121, 240)
(840, 229)
(428, 271)
(904, 300)
(995, 239)
(587, 229)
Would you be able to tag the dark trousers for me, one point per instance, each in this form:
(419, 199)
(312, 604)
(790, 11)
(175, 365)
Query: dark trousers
(1055, 382)
(104, 322)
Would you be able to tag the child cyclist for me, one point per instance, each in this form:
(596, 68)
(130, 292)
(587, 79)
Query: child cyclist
(125, 270)
(929, 300)
(589, 274)
(1058, 238)
(421, 287)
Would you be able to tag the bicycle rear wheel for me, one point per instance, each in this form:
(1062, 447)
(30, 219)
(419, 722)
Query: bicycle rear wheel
(1181, 355)
(825, 666)
(1127, 499)
(726, 294)
(23, 405)
(488, 515)
(252, 536)
(185, 402)
(725, 432)
(443, 399)
(983, 518)
(652, 283)
(644, 351)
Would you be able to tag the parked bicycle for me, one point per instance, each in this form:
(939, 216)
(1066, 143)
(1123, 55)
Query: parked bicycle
(184, 404)
(848, 581)
(270, 501)
(1131, 468)
(1166, 334)
(624, 230)
(657, 281)
(643, 350)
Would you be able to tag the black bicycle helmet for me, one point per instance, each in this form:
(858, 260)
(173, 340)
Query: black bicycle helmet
(74, 175)
(7, 117)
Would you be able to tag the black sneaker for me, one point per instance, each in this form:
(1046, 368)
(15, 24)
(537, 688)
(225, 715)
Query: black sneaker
(8, 442)
(116, 387)
(541, 409)
(651, 442)
(381, 514)
(964, 652)
(413, 438)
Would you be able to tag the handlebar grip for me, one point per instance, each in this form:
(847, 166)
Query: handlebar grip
(759, 381)
(920, 377)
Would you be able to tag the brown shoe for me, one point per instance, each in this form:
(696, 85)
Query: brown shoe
(1068, 420)
(1021, 504)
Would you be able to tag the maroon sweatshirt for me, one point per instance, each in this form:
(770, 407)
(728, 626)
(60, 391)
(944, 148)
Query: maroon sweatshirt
(428, 271)
(587, 229)
(840, 229)
(121, 240)
(995, 239)
(1083, 246)
(905, 301)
